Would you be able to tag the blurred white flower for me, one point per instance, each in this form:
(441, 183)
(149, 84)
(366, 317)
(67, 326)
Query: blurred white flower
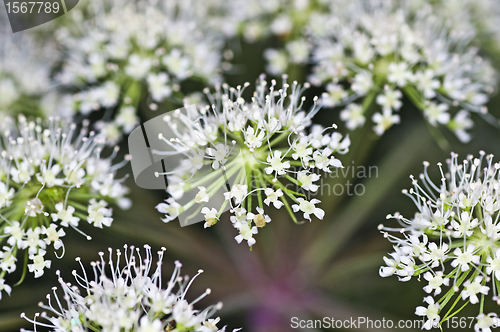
(26, 61)
(116, 66)
(408, 48)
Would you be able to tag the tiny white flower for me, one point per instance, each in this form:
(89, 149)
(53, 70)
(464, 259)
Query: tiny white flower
(363, 82)
(436, 254)
(465, 225)
(202, 195)
(427, 82)
(246, 233)
(460, 123)
(178, 64)
(210, 215)
(391, 99)
(16, 234)
(335, 94)
(277, 61)
(486, 322)
(150, 326)
(65, 215)
(171, 209)
(308, 207)
(34, 207)
(127, 118)
(437, 113)
(431, 312)
(384, 121)
(494, 264)
(276, 164)
(7, 260)
(138, 67)
(158, 86)
(6, 195)
(252, 139)
(273, 197)
(282, 25)
(49, 176)
(219, 154)
(260, 219)
(238, 192)
(353, 116)
(108, 94)
(465, 258)
(435, 282)
(39, 263)
(4, 287)
(471, 289)
(302, 149)
(306, 180)
(33, 240)
(399, 73)
(99, 214)
(53, 235)
(323, 159)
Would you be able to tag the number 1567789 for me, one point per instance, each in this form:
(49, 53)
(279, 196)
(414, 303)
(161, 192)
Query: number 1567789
(32, 7)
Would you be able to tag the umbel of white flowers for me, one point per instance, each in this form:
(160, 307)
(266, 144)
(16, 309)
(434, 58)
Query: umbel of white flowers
(371, 54)
(52, 176)
(163, 44)
(23, 57)
(282, 156)
(453, 241)
(127, 295)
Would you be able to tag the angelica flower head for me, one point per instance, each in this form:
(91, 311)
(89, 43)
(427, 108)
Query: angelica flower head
(243, 156)
(116, 66)
(52, 177)
(127, 295)
(453, 240)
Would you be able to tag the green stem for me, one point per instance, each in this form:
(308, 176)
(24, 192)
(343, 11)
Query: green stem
(447, 316)
(415, 98)
(479, 212)
(259, 192)
(25, 268)
(279, 139)
(289, 209)
(456, 312)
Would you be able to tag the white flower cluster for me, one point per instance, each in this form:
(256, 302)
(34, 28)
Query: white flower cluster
(268, 147)
(130, 299)
(467, 15)
(116, 66)
(284, 19)
(378, 51)
(453, 241)
(21, 59)
(52, 176)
